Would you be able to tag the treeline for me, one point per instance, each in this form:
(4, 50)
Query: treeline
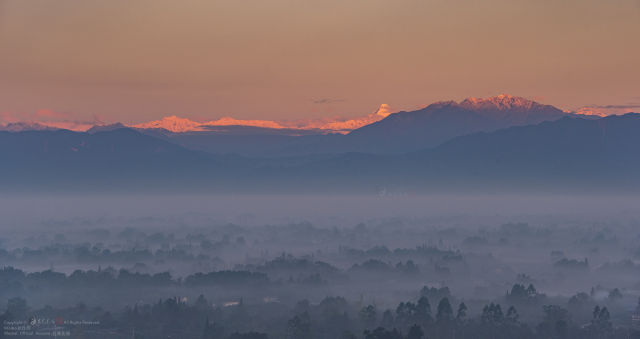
(96, 254)
(13, 280)
(333, 317)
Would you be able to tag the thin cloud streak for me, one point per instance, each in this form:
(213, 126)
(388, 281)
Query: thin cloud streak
(327, 101)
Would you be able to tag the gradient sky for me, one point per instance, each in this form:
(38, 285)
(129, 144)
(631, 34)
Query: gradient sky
(133, 61)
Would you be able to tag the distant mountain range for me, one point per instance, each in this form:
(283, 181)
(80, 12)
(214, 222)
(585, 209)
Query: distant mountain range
(394, 134)
(442, 121)
(381, 132)
(576, 152)
(397, 133)
(539, 148)
(26, 126)
(60, 159)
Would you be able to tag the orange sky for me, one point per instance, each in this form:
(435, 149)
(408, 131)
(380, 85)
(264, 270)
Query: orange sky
(136, 61)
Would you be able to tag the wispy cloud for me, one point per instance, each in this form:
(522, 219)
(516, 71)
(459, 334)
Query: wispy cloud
(628, 106)
(327, 101)
(604, 110)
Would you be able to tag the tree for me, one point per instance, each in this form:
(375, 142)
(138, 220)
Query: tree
(445, 312)
(415, 332)
(555, 323)
(492, 314)
(435, 293)
(423, 311)
(333, 317)
(368, 316)
(521, 294)
(444, 319)
(405, 313)
(601, 323)
(387, 319)
(531, 291)
(299, 327)
(615, 295)
(462, 312)
(518, 292)
(512, 315)
(201, 303)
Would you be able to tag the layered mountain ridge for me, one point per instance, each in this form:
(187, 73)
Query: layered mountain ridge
(442, 121)
(381, 132)
(177, 124)
(571, 153)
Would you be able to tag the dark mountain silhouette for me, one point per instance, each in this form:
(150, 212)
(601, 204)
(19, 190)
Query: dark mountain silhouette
(569, 153)
(64, 159)
(252, 141)
(124, 158)
(439, 122)
(122, 143)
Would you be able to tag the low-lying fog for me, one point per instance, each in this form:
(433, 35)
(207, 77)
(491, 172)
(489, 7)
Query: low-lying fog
(371, 250)
(259, 210)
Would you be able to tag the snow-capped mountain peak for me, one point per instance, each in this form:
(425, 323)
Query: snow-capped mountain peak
(499, 102)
